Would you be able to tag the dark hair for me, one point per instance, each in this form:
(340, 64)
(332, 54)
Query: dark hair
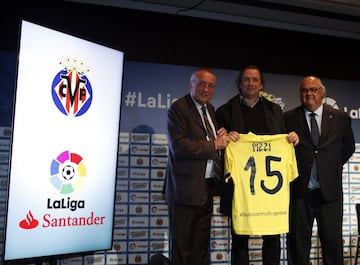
(238, 80)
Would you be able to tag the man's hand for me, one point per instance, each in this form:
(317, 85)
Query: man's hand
(292, 137)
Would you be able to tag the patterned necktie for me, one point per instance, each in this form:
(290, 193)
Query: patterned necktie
(208, 128)
(314, 128)
(217, 172)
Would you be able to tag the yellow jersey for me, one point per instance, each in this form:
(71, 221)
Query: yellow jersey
(262, 167)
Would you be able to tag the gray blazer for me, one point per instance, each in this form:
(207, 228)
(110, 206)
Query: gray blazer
(188, 154)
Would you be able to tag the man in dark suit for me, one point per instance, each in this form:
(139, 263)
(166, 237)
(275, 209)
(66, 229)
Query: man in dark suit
(245, 112)
(190, 179)
(317, 192)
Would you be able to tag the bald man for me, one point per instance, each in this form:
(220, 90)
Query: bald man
(317, 193)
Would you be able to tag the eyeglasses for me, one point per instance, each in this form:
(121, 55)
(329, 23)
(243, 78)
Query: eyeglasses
(203, 84)
(312, 90)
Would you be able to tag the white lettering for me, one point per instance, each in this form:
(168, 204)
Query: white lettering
(140, 100)
(152, 102)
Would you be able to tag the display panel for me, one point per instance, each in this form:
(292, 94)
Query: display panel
(64, 145)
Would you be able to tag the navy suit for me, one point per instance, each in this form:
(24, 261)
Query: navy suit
(336, 145)
(188, 194)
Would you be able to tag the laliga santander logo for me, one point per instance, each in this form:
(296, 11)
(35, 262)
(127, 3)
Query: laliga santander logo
(71, 89)
(29, 222)
(68, 172)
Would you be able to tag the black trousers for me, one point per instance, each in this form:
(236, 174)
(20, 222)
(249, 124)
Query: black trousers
(271, 250)
(329, 217)
(190, 233)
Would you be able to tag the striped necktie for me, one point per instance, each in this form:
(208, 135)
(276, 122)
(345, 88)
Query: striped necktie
(217, 171)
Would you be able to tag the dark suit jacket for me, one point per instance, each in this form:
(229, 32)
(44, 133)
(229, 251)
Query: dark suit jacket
(335, 147)
(230, 115)
(188, 154)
